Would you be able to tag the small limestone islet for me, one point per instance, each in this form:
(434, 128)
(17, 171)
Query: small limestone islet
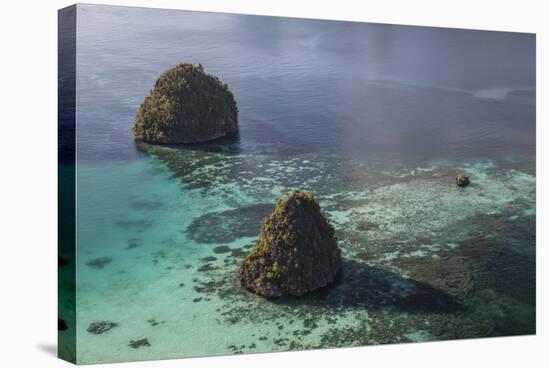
(186, 105)
(296, 252)
(462, 180)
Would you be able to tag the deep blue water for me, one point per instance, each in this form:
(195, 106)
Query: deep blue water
(309, 86)
(376, 119)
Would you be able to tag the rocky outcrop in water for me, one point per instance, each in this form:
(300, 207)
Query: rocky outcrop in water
(98, 328)
(99, 262)
(136, 344)
(462, 180)
(186, 105)
(296, 252)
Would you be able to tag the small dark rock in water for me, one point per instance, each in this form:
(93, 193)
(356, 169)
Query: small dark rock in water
(132, 245)
(296, 252)
(153, 322)
(222, 249)
(182, 284)
(139, 343)
(462, 180)
(99, 262)
(209, 259)
(61, 325)
(101, 327)
(61, 261)
(196, 300)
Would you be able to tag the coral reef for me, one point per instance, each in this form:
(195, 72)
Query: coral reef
(296, 252)
(229, 225)
(101, 327)
(139, 343)
(221, 249)
(186, 105)
(99, 262)
(153, 322)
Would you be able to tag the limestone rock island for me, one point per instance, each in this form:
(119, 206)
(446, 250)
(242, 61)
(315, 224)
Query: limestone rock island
(462, 180)
(296, 252)
(186, 105)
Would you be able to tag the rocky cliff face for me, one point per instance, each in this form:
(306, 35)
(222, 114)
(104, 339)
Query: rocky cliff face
(186, 105)
(296, 251)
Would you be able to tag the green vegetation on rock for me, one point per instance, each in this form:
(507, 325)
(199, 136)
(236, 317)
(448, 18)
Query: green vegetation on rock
(296, 252)
(186, 105)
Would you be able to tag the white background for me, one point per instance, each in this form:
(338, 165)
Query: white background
(28, 183)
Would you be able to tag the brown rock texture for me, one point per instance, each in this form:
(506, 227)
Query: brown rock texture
(186, 105)
(296, 252)
(462, 180)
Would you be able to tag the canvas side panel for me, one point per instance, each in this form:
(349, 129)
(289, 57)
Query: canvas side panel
(66, 147)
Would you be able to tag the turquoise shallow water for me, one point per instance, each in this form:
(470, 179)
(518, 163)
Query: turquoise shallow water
(334, 108)
(424, 260)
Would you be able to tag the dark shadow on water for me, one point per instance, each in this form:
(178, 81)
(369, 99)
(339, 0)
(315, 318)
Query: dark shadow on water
(198, 165)
(360, 286)
(50, 349)
(227, 226)
(229, 145)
